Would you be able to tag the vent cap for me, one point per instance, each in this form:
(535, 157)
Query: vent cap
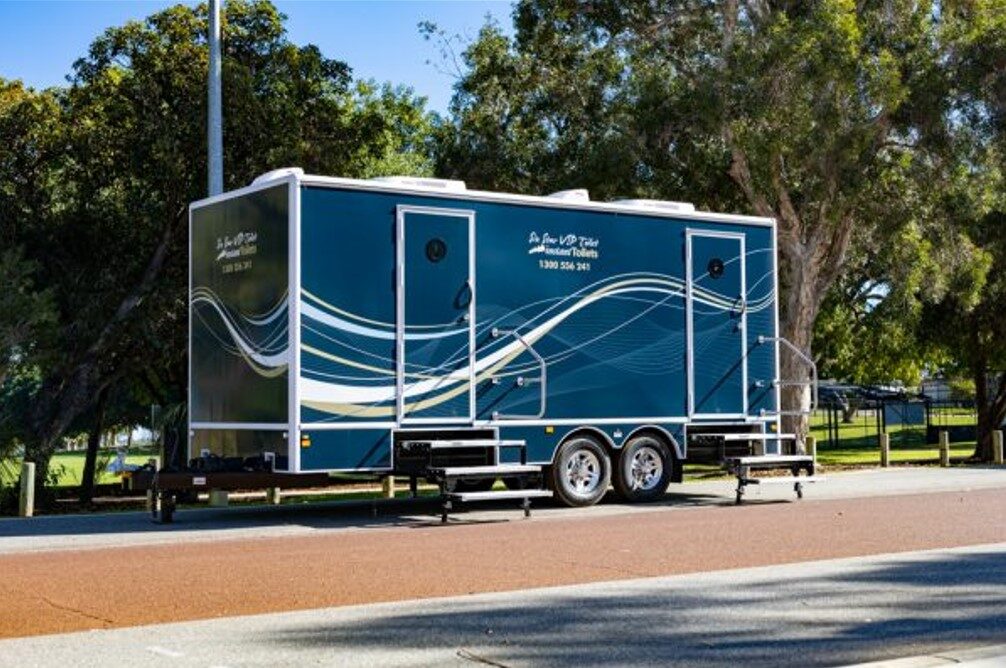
(656, 204)
(576, 195)
(422, 182)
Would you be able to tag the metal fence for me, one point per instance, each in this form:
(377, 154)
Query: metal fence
(909, 421)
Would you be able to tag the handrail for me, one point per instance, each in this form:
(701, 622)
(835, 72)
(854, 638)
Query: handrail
(803, 357)
(541, 379)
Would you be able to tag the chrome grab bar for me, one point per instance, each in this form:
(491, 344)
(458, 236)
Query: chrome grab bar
(542, 379)
(803, 357)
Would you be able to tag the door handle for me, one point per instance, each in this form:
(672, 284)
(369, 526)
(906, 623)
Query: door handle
(464, 296)
(740, 305)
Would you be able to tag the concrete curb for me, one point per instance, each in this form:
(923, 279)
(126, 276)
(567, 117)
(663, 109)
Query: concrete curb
(975, 657)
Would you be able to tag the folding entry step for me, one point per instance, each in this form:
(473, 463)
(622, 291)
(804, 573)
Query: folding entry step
(451, 463)
(743, 467)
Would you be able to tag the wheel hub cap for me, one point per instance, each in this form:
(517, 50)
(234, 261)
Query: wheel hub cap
(646, 469)
(583, 472)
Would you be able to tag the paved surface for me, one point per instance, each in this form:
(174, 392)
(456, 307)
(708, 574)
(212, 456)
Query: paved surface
(205, 524)
(401, 560)
(818, 614)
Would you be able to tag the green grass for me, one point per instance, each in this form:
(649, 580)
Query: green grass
(861, 456)
(858, 444)
(69, 466)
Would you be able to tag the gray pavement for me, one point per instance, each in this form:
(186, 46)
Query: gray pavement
(935, 603)
(202, 524)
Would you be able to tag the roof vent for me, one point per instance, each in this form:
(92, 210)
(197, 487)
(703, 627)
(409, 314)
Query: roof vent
(656, 204)
(577, 194)
(280, 173)
(422, 182)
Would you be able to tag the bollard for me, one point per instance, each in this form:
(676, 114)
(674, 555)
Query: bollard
(26, 504)
(944, 449)
(997, 447)
(273, 496)
(388, 487)
(218, 498)
(885, 450)
(810, 445)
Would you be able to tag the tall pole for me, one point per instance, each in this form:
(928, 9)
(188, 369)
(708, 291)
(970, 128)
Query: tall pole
(214, 120)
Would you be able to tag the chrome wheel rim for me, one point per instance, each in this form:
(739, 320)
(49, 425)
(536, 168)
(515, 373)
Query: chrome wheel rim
(583, 472)
(646, 468)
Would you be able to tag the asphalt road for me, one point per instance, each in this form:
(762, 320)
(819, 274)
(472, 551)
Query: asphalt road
(636, 584)
(824, 613)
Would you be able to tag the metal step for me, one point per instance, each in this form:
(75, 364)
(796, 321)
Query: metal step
(786, 480)
(485, 471)
(768, 436)
(502, 494)
(757, 461)
(473, 443)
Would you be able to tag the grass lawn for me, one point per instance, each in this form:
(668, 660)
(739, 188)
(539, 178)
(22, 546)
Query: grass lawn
(858, 444)
(70, 465)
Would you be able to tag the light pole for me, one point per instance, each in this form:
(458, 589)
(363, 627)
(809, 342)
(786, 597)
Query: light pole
(214, 120)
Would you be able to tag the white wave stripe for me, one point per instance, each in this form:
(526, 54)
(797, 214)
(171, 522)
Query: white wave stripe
(272, 340)
(269, 365)
(339, 398)
(258, 319)
(317, 315)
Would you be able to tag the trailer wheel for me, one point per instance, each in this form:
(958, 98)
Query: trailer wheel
(645, 468)
(582, 472)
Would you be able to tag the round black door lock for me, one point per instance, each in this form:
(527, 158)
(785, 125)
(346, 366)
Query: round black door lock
(436, 250)
(715, 268)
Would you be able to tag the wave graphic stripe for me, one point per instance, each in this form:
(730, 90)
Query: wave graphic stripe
(265, 360)
(343, 399)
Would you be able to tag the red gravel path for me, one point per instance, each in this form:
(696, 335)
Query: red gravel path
(64, 591)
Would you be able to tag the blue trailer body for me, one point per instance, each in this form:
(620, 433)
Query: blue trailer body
(365, 308)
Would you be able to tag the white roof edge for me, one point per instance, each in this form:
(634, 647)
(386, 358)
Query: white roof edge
(294, 175)
(488, 196)
(277, 174)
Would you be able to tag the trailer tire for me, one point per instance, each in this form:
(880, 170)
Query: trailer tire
(645, 468)
(582, 472)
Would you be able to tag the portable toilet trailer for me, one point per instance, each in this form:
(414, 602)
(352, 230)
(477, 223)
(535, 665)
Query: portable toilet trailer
(412, 326)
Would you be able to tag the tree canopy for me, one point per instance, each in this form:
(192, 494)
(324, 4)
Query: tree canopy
(95, 188)
(832, 117)
(873, 132)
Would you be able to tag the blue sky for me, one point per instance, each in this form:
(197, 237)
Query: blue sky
(40, 39)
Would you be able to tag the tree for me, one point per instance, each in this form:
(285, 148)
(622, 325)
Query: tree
(31, 141)
(789, 110)
(132, 124)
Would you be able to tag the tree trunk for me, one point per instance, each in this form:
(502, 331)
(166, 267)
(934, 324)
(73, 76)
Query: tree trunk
(799, 310)
(91, 457)
(991, 409)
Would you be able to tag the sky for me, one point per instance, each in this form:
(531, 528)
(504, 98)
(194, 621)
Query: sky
(40, 39)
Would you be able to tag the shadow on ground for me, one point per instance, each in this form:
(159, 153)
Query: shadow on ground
(906, 607)
(356, 514)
